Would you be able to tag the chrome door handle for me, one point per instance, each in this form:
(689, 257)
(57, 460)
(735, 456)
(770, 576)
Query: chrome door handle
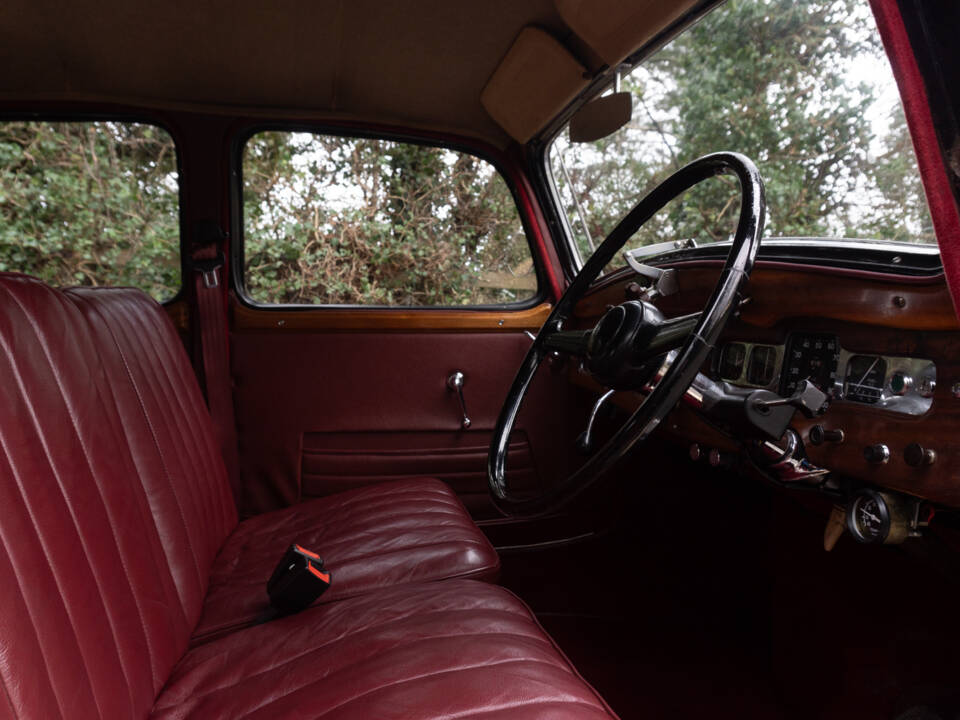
(455, 383)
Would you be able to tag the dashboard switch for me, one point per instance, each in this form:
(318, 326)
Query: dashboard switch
(878, 453)
(819, 435)
(915, 455)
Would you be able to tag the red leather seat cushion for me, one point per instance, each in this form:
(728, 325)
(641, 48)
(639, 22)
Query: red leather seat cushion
(452, 649)
(372, 537)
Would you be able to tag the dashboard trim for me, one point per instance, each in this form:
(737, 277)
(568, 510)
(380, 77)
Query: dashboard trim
(861, 311)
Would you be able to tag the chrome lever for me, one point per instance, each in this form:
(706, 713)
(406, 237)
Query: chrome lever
(663, 281)
(586, 437)
(455, 384)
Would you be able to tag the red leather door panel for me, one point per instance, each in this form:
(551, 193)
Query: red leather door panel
(321, 410)
(338, 461)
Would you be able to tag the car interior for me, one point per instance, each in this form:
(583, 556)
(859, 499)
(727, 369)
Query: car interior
(428, 360)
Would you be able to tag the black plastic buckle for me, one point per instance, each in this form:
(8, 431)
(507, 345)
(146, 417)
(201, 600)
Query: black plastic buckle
(298, 580)
(208, 267)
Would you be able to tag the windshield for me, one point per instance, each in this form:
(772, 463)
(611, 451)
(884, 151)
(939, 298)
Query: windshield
(802, 87)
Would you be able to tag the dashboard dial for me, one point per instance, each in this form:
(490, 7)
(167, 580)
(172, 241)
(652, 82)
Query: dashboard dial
(868, 517)
(812, 357)
(865, 379)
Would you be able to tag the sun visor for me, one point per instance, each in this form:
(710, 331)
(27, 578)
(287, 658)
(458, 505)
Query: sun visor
(536, 79)
(616, 28)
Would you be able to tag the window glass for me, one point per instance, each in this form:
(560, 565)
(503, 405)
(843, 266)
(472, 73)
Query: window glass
(802, 87)
(337, 220)
(90, 203)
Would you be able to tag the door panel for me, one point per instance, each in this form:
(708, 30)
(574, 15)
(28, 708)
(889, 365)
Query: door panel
(332, 462)
(320, 411)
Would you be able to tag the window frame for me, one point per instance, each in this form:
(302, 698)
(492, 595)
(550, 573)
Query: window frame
(559, 221)
(540, 166)
(73, 116)
(489, 155)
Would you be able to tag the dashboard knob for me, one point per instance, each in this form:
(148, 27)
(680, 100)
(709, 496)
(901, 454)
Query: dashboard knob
(718, 458)
(818, 435)
(878, 453)
(915, 455)
(695, 452)
(900, 383)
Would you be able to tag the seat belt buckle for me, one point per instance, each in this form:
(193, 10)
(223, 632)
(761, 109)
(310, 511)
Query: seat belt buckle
(298, 580)
(207, 267)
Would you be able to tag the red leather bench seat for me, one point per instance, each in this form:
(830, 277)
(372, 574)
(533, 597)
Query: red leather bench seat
(404, 531)
(105, 569)
(373, 537)
(451, 649)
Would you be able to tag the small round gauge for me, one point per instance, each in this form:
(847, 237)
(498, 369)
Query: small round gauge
(868, 517)
(865, 379)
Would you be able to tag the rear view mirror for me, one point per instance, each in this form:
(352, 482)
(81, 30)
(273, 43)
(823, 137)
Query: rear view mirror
(600, 117)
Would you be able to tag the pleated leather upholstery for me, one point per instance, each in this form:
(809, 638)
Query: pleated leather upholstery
(168, 430)
(373, 537)
(90, 619)
(447, 650)
(109, 533)
(405, 531)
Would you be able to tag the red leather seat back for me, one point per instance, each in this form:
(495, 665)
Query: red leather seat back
(168, 429)
(90, 620)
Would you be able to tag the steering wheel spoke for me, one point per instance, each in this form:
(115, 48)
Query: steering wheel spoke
(571, 342)
(666, 336)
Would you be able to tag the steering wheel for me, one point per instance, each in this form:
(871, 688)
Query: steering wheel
(631, 338)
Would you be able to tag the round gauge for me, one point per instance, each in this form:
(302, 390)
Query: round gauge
(868, 517)
(810, 357)
(865, 378)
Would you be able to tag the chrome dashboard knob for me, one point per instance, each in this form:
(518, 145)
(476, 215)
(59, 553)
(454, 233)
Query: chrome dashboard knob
(877, 454)
(915, 455)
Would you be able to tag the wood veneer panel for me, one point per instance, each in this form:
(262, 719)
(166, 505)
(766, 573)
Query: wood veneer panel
(777, 294)
(862, 313)
(247, 319)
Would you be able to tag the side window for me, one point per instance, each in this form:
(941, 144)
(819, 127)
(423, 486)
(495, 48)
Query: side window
(339, 220)
(90, 203)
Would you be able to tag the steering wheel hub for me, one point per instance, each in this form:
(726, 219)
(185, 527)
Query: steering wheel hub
(612, 340)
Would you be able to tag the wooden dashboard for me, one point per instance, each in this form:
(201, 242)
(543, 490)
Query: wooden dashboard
(871, 314)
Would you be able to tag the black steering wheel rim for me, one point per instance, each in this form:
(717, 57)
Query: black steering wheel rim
(720, 307)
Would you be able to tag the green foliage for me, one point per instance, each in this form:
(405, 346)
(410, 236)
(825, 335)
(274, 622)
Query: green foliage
(770, 79)
(91, 203)
(345, 220)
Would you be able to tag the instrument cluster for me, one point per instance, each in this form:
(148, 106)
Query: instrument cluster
(899, 384)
